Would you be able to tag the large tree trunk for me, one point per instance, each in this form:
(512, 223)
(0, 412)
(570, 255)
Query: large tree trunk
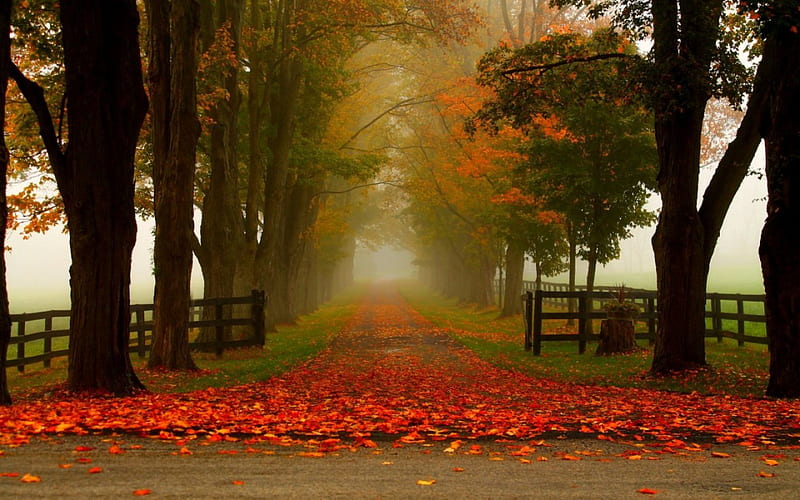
(515, 268)
(680, 255)
(174, 29)
(107, 105)
(5, 319)
(221, 227)
(780, 238)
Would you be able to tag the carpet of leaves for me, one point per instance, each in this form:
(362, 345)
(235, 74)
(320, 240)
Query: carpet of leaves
(390, 374)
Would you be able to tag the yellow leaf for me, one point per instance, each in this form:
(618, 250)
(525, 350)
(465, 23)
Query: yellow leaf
(634, 457)
(771, 462)
(423, 482)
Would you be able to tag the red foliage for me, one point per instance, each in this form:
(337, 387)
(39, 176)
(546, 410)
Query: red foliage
(369, 382)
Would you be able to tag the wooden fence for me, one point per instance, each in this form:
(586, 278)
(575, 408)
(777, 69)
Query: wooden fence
(55, 341)
(719, 318)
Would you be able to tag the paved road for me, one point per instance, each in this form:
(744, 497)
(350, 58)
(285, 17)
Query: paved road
(384, 472)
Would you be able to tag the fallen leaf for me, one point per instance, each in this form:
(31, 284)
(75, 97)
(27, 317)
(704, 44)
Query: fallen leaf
(423, 482)
(141, 493)
(238, 483)
(116, 450)
(30, 478)
(458, 469)
(83, 448)
(647, 491)
(311, 454)
(765, 474)
(771, 462)
(719, 454)
(9, 474)
(95, 470)
(65, 466)
(84, 460)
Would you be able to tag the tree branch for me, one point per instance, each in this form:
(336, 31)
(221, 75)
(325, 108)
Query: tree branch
(564, 62)
(360, 186)
(407, 102)
(34, 94)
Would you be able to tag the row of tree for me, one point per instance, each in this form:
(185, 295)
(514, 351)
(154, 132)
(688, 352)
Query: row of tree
(601, 126)
(242, 96)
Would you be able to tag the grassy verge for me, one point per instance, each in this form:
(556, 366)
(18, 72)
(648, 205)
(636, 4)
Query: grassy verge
(733, 370)
(286, 348)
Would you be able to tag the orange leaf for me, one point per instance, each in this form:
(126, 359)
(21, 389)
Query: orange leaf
(765, 474)
(458, 469)
(95, 470)
(647, 491)
(30, 478)
(719, 454)
(311, 454)
(570, 457)
(238, 483)
(141, 493)
(65, 466)
(771, 462)
(423, 482)
(116, 450)
(185, 451)
(524, 461)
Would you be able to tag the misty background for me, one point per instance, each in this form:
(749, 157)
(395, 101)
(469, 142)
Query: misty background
(38, 268)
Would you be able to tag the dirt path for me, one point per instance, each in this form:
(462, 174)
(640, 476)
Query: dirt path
(392, 409)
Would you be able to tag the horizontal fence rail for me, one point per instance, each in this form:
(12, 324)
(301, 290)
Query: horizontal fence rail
(216, 315)
(728, 315)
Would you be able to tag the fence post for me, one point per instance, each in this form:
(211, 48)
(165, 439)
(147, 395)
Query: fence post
(140, 333)
(740, 322)
(257, 312)
(537, 323)
(716, 321)
(651, 320)
(528, 312)
(583, 320)
(21, 346)
(48, 341)
(219, 330)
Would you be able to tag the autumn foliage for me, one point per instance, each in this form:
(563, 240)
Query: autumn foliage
(392, 375)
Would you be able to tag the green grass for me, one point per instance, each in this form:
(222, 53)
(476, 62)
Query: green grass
(284, 349)
(733, 370)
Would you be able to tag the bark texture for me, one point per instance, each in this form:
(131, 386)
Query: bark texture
(107, 105)
(616, 336)
(515, 267)
(174, 32)
(5, 319)
(780, 238)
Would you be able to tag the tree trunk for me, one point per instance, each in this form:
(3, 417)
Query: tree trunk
(107, 105)
(616, 336)
(573, 258)
(685, 41)
(5, 318)
(173, 69)
(780, 239)
(515, 268)
(222, 225)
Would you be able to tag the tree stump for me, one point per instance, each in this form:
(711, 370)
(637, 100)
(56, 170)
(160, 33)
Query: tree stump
(616, 336)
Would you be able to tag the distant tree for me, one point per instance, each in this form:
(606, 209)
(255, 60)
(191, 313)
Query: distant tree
(174, 30)
(95, 173)
(591, 152)
(5, 319)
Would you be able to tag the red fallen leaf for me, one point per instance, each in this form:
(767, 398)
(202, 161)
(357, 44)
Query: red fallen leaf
(95, 470)
(238, 483)
(116, 450)
(83, 448)
(647, 491)
(141, 493)
(30, 478)
(84, 460)
(765, 474)
(571, 457)
(9, 474)
(458, 469)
